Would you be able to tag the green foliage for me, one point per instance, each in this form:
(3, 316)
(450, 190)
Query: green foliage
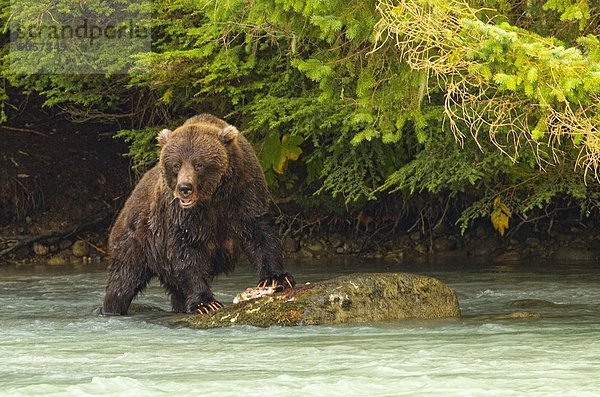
(278, 151)
(346, 101)
(95, 37)
(570, 10)
(442, 167)
(3, 100)
(143, 149)
(533, 192)
(519, 89)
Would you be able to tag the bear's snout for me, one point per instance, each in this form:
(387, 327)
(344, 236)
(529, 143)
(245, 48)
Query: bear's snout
(185, 189)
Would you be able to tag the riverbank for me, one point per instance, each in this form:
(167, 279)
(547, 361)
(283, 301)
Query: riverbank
(578, 242)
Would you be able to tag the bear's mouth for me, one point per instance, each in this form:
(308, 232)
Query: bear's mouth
(186, 203)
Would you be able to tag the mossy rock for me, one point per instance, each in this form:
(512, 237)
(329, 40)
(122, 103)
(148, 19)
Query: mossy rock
(357, 298)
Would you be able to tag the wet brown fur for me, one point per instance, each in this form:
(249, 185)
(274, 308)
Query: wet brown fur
(153, 236)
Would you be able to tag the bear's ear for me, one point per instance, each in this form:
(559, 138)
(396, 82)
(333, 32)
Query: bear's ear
(228, 134)
(163, 137)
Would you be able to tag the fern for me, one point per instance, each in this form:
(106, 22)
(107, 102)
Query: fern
(142, 147)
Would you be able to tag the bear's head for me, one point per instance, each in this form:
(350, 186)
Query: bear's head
(194, 158)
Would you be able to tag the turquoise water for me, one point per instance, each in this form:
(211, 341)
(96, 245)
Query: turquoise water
(53, 343)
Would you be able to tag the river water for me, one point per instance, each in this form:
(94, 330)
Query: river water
(53, 343)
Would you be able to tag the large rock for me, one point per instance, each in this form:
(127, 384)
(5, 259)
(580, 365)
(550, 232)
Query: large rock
(357, 298)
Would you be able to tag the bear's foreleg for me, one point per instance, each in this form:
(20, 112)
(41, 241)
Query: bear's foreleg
(262, 246)
(200, 299)
(189, 285)
(197, 302)
(124, 283)
(177, 301)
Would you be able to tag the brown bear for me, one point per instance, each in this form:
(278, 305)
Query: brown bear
(187, 215)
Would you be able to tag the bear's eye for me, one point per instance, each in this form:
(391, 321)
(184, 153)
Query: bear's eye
(176, 167)
(198, 167)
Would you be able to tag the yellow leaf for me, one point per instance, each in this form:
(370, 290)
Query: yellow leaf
(288, 152)
(500, 216)
(502, 207)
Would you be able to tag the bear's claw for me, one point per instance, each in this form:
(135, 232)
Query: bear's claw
(279, 282)
(205, 308)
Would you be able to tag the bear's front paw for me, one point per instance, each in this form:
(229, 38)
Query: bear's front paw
(205, 308)
(279, 281)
